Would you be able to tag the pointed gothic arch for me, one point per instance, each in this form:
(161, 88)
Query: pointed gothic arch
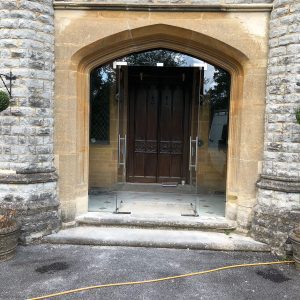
(175, 38)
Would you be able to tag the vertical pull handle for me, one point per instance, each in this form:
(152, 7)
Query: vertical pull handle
(122, 149)
(119, 149)
(193, 153)
(124, 154)
(190, 155)
(196, 149)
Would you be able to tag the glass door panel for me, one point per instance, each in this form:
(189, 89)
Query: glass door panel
(211, 166)
(195, 141)
(122, 122)
(156, 142)
(122, 86)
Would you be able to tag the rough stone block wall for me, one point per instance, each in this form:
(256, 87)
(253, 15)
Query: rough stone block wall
(28, 181)
(278, 198)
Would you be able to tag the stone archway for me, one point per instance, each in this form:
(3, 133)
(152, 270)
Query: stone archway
(74, 190)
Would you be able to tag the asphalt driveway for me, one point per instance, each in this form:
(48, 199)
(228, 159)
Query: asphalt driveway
(43, 269)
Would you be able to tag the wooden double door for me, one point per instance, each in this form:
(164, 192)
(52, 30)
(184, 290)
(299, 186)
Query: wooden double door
(158, 124)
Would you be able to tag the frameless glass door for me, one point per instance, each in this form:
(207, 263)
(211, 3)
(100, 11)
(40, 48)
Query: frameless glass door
(122, 123)
(157, 141)
(122, 92)
(209, 144)
(195, 140)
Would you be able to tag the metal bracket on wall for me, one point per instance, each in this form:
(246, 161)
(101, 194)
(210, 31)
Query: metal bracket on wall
(9, 77)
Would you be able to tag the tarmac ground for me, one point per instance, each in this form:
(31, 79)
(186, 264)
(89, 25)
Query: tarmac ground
(44, 269)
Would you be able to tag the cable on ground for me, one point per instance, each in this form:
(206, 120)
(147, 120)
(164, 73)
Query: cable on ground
(159, 279)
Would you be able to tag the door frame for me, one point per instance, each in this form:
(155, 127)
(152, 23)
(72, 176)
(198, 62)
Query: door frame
(240, 62)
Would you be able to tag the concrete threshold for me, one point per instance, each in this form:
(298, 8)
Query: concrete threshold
(145, 221)
(155, 238)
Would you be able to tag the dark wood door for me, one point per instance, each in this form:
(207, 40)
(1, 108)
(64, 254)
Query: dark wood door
(158, 124)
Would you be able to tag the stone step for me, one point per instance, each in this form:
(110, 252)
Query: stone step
(155, 238)
(140, 221)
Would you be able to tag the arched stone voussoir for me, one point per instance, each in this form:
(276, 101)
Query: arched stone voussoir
(160, 36)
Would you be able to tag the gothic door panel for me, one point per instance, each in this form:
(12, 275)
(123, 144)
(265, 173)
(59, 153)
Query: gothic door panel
(159, 114)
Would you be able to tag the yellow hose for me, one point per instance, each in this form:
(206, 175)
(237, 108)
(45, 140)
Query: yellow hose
(160, 279)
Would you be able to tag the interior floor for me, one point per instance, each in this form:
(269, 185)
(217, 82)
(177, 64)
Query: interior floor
(157, 203)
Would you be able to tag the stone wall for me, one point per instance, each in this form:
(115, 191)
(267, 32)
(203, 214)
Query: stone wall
(278, 198)
(27, 173)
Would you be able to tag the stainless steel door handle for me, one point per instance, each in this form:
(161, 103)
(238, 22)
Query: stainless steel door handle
(196, 149)
(124, 154)
(119, 149)
(190, 155)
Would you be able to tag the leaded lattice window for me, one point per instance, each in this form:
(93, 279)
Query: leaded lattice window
(99, 107)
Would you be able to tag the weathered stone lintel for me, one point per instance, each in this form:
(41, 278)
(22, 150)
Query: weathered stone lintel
(164, 7)
(288, 185)
(28, 178)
